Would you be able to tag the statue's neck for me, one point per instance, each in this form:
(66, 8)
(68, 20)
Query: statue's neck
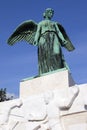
(47, 18)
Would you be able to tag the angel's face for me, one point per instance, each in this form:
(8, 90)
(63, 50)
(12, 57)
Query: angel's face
(50, 14)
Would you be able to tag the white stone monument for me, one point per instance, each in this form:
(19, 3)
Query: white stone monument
(49, 102)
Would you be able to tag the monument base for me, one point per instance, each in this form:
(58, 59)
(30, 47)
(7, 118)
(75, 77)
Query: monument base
(62, 112)
(62, 108)
(57, 79)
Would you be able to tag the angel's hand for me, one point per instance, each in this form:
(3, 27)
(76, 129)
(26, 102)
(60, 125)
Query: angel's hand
(35, 43)
(64, 42)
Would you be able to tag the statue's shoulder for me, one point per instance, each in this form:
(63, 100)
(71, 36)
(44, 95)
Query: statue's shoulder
(57, 23)
(41, 22)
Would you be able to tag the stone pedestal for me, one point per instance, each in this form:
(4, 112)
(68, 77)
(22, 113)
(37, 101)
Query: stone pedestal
(33, 86)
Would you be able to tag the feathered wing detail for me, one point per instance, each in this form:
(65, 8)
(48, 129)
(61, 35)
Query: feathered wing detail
(69, 46)
(25, 31)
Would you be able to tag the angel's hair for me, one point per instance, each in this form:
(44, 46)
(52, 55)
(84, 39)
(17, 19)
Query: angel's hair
(46, 11)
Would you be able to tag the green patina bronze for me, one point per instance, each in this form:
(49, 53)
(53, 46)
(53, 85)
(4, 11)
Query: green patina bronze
(49, 36)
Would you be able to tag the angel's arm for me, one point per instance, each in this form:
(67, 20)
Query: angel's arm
(60, 35)
(63, 36)
(37, 35)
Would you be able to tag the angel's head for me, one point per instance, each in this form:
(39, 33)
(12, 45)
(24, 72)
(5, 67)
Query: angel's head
(48, 13)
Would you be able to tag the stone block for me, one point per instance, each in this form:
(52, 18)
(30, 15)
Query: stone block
(57, 79)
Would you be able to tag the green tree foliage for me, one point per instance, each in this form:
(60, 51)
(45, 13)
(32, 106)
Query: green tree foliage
(2, 94)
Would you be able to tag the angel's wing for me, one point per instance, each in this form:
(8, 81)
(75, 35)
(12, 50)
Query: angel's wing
(69, 46)
(25, 31)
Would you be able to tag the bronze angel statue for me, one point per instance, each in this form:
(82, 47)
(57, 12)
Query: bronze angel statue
(49, 36)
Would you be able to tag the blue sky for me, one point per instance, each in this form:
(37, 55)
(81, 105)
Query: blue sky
(20, 61)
